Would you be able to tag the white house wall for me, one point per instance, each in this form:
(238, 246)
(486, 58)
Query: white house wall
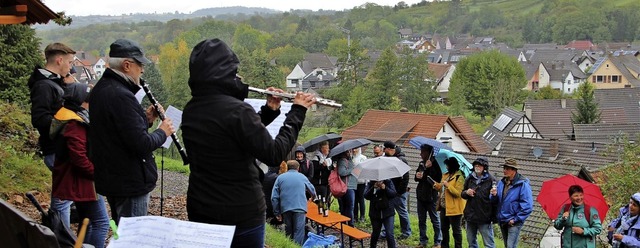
(296, 74)
(455, 142)
(100, 67)
(543, 76)
(443, 87)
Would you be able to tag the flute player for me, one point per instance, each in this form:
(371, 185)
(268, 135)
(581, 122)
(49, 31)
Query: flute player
(223, 136)
(120, 146)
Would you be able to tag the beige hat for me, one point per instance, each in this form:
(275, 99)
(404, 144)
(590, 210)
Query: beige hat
(511, 162)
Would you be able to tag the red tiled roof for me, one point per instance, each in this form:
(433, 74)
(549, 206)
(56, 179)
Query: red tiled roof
(400, 127)
(580, 45)
(469, 136)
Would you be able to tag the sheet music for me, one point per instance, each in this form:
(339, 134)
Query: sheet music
(176, 117)
(274, 127)
(157, 231)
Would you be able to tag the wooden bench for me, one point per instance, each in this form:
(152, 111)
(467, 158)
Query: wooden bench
(354, 234)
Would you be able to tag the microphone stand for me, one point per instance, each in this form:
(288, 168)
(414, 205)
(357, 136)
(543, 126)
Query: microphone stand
(161, 181)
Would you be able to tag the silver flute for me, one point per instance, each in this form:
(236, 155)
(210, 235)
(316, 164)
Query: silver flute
(319, 100)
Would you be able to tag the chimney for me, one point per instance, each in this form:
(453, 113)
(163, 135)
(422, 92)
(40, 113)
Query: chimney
(554, 148)
(563, 103)
(527, 112)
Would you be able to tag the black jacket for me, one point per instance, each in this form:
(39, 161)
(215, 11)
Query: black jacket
(120, 146)
(46, 100)
(224, 135)
(479, 208)
(320, 172)
(379, 206)
(424, 190)
(401, 183)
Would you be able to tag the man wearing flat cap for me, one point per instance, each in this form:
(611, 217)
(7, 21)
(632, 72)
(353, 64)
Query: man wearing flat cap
(514, 200)
(120, 146)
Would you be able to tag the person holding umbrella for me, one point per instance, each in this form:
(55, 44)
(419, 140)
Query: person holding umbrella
(626, 226)
(381, 212)
(578, 230)
(515, 202)
(427, 174)
(345, 166)
(321, 169)
(451, 215)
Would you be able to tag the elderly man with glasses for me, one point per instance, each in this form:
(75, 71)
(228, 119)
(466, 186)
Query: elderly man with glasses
(120, 146)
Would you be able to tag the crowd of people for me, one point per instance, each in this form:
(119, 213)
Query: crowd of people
(108, 156)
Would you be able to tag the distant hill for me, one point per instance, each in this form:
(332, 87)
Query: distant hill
(81, 21)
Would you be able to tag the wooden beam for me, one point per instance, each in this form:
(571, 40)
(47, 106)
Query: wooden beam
(17, 10)
(9, 19)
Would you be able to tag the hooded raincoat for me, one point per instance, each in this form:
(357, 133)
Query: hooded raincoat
(224, 136)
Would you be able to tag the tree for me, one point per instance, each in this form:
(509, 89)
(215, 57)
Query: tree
(258, 71)
(620, 180)
(416, 91)
(487, 82)
(174, 70)
(548, 93)
(382, 84)
(287, 56)
(587, 106)
(19, 55)
(154, 80)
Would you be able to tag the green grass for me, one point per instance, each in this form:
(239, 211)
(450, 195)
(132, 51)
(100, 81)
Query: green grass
(308, 133)
(277, 239)
(21, 173)
(171, 164)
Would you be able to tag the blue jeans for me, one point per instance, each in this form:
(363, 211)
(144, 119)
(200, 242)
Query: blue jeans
(128, 206)
(98, 226)
(346, 205)
(425, 207)
(249, 237)
(376, 225)
(63, 207)
(486, 230)
(294, 225)
(400, 204)
(510, 234)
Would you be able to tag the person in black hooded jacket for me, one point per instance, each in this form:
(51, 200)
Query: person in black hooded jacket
(223, 136)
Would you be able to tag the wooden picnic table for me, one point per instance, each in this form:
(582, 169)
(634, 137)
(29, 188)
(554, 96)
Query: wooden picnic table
(331, 221)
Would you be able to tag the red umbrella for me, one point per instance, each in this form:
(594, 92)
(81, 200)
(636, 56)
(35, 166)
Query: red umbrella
(554, 194)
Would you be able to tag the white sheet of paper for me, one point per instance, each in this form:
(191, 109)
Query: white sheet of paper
(274, 127)
(157, 231)
(140, 95)
(176, 117)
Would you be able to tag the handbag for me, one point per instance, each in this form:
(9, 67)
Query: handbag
(440, 203)
(336, 185)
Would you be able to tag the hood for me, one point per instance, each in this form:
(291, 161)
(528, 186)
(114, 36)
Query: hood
(301, 149)
(213, 67)
(39, 73)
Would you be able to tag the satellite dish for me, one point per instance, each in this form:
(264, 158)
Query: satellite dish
(537, 152)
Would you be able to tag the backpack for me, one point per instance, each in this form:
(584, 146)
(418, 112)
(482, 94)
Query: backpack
(587, 211)
(336, 185)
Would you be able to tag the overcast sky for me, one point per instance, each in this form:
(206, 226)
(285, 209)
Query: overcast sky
(118, 7)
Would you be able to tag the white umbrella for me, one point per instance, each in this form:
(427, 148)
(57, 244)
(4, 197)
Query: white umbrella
(380, 168)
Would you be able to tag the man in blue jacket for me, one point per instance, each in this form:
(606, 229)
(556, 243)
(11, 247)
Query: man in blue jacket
(289, 200)
(515, 202)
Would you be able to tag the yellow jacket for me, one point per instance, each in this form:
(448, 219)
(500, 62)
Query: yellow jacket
(453, 199)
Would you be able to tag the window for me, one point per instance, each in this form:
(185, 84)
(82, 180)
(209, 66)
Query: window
(313, 84)
(294, 82)
(599, 79)
(615, 79)
(535, 86)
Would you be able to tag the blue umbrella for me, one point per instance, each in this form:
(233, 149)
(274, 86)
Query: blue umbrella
(348, 145)
(418, 141)
(443, 154)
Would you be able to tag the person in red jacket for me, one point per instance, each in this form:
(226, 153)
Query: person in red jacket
(72, 170)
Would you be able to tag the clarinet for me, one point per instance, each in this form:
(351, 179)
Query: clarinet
(174, 137)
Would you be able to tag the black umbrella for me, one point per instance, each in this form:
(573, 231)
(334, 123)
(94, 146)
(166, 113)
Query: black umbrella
(312, 145)
(348, 145)
(53, 221)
